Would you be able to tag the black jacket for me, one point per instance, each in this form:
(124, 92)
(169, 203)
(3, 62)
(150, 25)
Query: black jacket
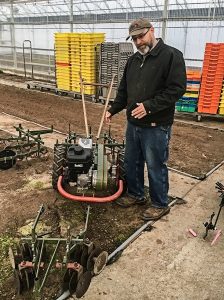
(158, 80)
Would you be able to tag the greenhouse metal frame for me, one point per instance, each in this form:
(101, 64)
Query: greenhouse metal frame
(27, 27)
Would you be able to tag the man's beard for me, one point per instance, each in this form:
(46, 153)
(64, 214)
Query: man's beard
(144, 50)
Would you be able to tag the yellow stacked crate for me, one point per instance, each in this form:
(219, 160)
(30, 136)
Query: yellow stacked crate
(88, 42)
(75, 61)
(75, 53)
(221, 103)
(62, 57)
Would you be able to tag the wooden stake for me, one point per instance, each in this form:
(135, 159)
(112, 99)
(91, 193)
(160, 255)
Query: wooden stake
(84, 105)
(105, 107)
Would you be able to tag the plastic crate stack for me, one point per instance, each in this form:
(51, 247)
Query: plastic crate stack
(75, 61)
(75, 53)
(221, 104)
(109, 57)
(125, 51)
(212, 78)
(88, 67)
(62, 60)
(113, 58)
(188, 103)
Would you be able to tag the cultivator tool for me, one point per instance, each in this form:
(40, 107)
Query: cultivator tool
(210, 225)
(27, 144)
(79, 260)
(91, 167)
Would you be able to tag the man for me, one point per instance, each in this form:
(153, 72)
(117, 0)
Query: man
(154, 79)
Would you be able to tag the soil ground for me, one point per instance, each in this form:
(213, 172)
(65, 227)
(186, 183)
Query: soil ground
(186, 151)
(194, 150)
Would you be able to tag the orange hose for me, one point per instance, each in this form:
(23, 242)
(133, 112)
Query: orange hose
(89, 198)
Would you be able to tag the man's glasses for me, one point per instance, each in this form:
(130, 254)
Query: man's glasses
(139, 36)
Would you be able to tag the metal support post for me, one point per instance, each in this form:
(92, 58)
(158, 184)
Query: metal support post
(165, 16)
(71, 15)
(12, 32)
(185, 37)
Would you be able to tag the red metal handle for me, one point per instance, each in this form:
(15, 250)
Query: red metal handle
(89, 198)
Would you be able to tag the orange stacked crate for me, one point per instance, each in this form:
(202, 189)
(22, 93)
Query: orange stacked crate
(221, 104)
(212, 77)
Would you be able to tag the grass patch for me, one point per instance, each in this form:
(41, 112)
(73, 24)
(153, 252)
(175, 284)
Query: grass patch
(5, 266)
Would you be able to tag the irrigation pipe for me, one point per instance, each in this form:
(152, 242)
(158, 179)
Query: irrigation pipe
(185, 174)
(199, 125)
(214, 169)
(27, 121)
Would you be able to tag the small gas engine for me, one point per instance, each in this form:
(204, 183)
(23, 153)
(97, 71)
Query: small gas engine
(88, 167)
(80, 163)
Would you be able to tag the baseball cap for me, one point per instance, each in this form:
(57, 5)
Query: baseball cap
(137, 27)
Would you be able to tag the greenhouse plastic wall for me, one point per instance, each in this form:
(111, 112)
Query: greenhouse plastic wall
(187, 34)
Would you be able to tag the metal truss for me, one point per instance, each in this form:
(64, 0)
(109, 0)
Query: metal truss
(92, 11)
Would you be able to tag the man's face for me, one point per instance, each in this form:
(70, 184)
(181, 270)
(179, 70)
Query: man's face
(143, 41)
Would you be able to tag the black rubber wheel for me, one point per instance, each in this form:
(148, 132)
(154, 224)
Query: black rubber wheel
(121, 170)
(58, 163)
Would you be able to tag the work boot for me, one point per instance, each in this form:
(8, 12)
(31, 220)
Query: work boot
(154, 213)
(127, 201)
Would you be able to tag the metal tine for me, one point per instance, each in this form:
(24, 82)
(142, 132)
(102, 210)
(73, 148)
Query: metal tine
(219, 185)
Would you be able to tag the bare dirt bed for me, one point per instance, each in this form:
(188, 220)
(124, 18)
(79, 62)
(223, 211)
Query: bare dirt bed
(27, 185)
(24, 188)
(193, 149)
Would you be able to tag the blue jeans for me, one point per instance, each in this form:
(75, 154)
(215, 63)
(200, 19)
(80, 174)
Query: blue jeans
(150, 145)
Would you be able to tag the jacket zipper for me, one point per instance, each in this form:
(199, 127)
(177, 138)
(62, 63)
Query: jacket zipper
(143, 59)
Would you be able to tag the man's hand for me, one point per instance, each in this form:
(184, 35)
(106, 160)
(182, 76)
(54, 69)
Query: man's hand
(108, 117)
(139, 112)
